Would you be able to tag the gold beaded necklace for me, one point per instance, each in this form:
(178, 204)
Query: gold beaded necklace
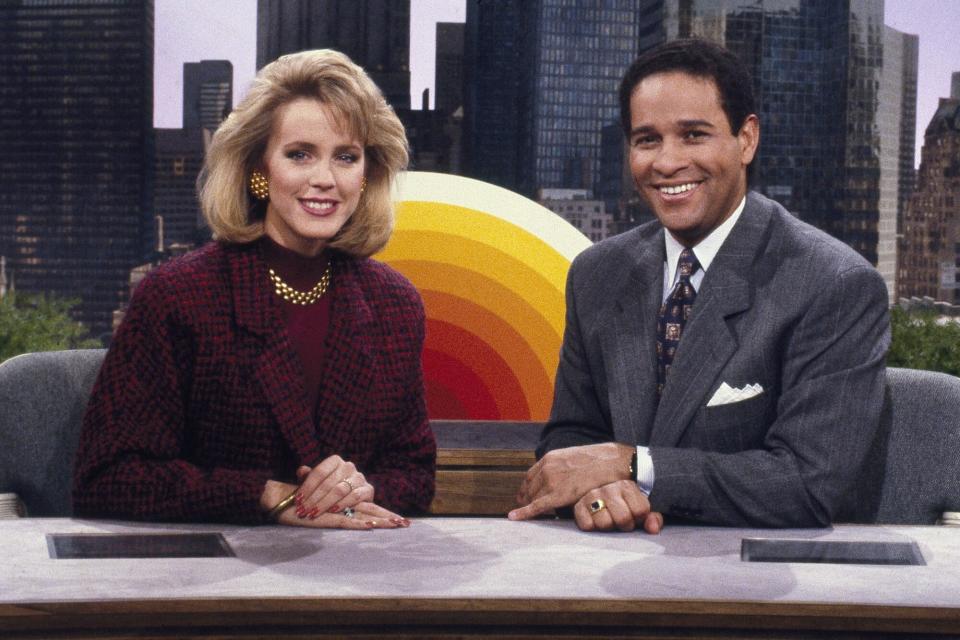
(303, 298)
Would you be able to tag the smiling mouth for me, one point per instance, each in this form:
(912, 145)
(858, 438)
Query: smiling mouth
(674, 190)
(315, 206)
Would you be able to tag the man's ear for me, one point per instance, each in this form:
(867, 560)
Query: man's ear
(749, 139)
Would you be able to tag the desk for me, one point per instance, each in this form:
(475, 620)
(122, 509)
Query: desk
(470, 575)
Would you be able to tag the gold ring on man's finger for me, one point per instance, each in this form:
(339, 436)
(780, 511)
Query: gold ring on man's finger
(597, 506)
(349, 484)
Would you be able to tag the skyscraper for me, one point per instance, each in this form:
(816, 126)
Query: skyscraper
(448, 73)
(374, 33)
(930, 254)
(207, 93)
(177, 162)
(896, 118)
(543, 84)
(496, 70)
(76, 89)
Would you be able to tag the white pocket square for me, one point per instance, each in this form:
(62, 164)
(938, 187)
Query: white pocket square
(728, 395)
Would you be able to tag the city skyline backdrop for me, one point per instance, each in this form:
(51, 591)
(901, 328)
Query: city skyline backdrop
(100, 195)
(226, 29)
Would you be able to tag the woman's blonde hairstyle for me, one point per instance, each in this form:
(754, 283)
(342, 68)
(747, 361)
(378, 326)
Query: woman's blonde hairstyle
(239, 143)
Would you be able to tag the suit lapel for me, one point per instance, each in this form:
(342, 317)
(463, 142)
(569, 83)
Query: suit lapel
(708, 342)
(630, 354)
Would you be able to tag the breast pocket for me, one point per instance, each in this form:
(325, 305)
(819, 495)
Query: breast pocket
(734, 427)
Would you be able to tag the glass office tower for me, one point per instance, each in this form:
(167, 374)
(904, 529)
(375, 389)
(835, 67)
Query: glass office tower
(374, 33)
(76, 111)
(207, 93)
(541, 86)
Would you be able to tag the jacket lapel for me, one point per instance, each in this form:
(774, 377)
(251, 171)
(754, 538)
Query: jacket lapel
(349, 361)
(708, 342)
(629, 353)
(276, 366)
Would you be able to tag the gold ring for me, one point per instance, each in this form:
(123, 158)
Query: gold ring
(597, 506)
(349, 484)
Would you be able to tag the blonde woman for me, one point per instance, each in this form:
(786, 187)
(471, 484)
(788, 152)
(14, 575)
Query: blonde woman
(274, 375)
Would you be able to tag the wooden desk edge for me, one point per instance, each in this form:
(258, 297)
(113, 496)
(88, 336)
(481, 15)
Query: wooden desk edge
(215, 614)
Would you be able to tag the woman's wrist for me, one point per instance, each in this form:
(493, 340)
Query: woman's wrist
(277, 497)
(283, 505)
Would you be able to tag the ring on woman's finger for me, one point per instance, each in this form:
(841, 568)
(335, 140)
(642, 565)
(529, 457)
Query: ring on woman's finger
(597, 506)
(349, 484)
(348, 512)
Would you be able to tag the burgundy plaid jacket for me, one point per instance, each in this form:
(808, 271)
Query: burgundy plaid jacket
(200, 399)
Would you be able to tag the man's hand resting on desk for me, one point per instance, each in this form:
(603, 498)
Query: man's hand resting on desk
(624, 507)
(565, 477)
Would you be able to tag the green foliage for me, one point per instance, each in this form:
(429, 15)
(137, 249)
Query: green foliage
(39, 323)
(921, 341)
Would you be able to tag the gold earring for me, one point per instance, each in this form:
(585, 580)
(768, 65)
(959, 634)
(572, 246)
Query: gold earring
(259, 188)
(363, 185)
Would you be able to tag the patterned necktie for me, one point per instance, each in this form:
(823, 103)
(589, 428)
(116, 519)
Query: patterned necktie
(673, 315)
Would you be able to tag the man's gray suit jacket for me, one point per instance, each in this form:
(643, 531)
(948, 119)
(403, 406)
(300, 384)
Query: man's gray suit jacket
(782, 305)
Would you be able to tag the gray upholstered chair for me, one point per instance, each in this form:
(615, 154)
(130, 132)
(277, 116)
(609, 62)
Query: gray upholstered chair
(42, 400)
(912, 477)
(913, 474)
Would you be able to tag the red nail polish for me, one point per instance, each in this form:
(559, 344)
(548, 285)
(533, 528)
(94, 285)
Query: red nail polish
(314, 512)
(334, 509)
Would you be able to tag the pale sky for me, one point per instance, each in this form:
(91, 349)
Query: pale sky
(190, 31)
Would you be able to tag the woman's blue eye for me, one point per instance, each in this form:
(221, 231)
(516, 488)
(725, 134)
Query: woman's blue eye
(296, 155)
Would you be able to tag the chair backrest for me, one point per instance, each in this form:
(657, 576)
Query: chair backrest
(913, 473)
(42, 400)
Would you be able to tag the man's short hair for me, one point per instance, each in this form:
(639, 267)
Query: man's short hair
(701, 59)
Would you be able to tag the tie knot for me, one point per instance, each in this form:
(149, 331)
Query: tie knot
(688, 264)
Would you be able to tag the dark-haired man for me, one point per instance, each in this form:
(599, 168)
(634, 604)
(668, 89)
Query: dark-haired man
(725, 363)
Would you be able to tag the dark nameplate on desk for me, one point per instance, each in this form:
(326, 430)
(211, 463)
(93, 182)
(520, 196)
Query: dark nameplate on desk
(64, 546)
(830, 551)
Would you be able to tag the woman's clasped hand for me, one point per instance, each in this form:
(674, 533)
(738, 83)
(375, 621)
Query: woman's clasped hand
(334, 495)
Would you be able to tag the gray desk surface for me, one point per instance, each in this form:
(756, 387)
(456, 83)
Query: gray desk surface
(475, 559)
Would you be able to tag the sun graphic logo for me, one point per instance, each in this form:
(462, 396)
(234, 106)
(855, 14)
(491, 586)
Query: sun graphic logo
(491, 266)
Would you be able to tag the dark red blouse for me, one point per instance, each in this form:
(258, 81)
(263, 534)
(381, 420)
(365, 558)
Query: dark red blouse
(306, 324)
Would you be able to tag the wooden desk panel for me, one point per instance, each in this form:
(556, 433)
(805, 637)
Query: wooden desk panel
(480, 465)
(479, 482)
(456, 576)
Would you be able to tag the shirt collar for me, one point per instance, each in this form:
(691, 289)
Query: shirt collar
(706, 250)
